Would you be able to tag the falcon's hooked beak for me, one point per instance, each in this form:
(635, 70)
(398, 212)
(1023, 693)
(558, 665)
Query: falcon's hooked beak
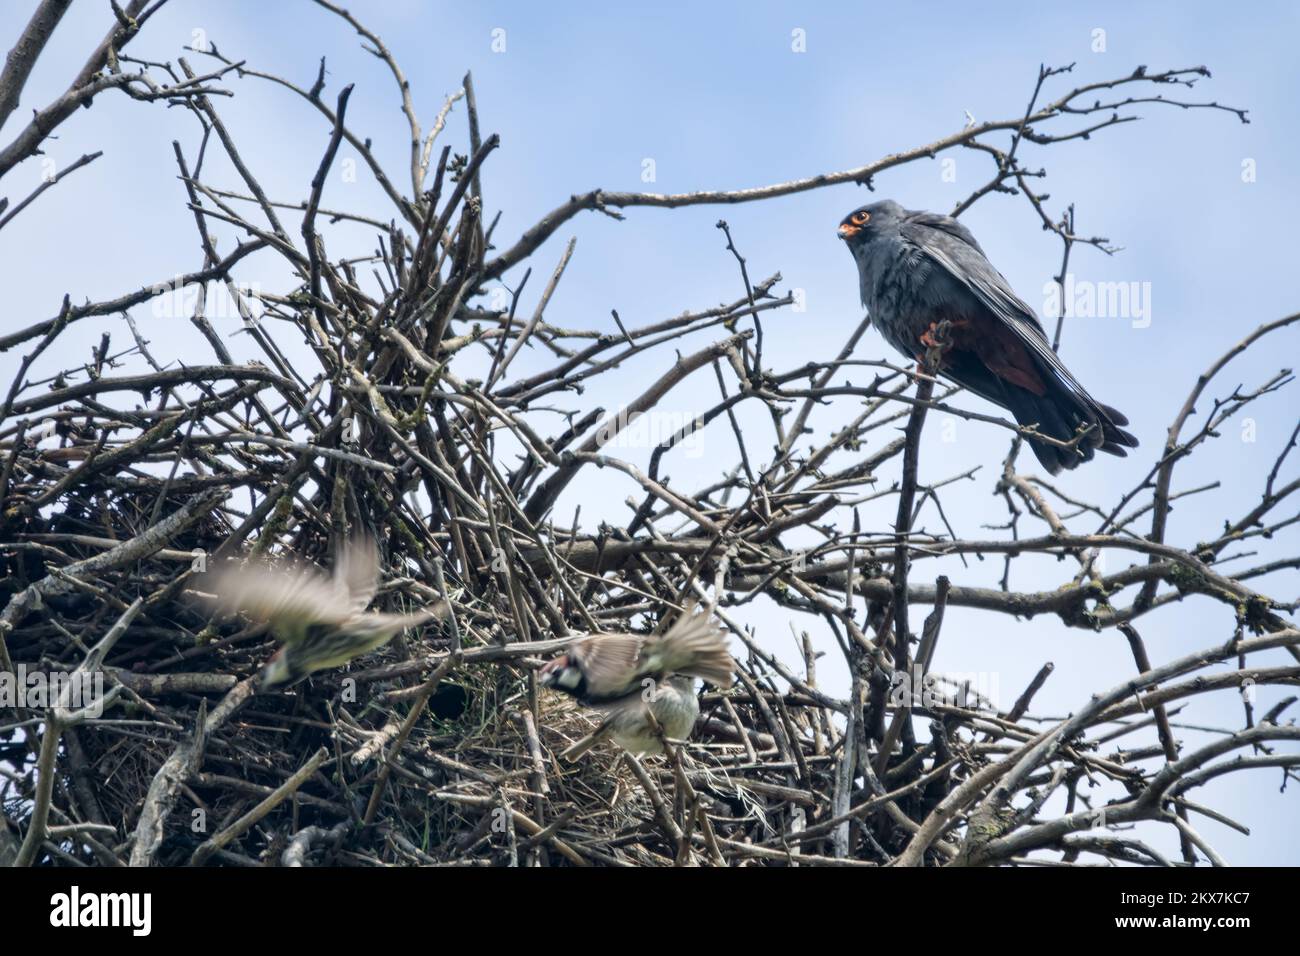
(853, 224)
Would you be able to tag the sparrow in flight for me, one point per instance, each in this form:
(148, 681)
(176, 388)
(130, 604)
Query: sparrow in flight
(633, 677)
(930, 290)
(321, 619)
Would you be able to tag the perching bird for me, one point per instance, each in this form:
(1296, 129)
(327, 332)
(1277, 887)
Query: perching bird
(631, 676)
(321, 620)
(918, 269)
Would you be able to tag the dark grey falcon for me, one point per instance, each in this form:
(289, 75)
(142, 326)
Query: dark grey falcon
(920, 269)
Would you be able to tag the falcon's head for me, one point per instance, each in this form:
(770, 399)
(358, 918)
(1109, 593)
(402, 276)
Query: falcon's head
(867, 222)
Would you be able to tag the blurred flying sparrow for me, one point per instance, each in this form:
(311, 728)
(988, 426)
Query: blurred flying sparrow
(633, 676)
(321, 620)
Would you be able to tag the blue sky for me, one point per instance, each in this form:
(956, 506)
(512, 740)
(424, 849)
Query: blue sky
(584, 93)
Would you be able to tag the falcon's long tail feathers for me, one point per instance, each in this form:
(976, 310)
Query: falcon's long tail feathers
(1061, 413)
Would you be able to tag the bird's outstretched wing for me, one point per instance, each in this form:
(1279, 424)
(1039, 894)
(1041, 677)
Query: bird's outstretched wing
(289, 597)
(694, 646)
(608, 660)
(356, 573)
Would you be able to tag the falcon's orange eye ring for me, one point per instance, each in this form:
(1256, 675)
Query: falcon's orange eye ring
(860, 218)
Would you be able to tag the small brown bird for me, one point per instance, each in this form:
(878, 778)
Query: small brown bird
(322, 620)
(633, 676)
